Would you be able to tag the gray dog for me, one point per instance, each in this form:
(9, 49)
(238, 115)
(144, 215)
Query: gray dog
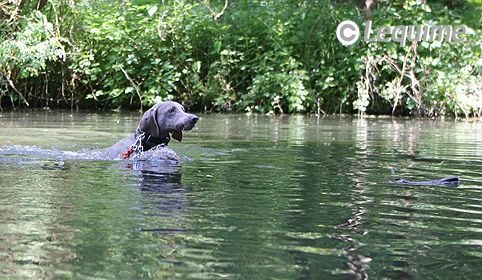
(157, 126)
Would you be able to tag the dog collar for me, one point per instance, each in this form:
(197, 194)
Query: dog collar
(148, 141)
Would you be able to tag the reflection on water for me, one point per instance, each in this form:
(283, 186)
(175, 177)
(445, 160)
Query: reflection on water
(263, 197)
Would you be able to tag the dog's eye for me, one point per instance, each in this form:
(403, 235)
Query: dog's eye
(172, 110)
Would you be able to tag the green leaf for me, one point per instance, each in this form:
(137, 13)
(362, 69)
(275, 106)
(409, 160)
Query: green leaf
(217, 46)
(129, 89)
(151, 10)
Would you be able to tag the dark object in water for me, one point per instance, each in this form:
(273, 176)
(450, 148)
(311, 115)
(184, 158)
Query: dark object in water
(449, 181)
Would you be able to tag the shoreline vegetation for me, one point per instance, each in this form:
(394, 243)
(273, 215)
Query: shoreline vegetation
(259, 56)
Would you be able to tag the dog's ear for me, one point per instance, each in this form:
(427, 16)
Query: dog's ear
(149, 123)
(177, 134)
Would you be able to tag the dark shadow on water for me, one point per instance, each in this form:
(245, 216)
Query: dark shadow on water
(163, 195)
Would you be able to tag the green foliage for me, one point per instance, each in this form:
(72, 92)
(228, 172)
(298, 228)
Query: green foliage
(30, 49)
(24, 54)
(425, 78)
(257, 56)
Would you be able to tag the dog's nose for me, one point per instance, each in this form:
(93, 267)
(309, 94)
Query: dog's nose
(194, 119)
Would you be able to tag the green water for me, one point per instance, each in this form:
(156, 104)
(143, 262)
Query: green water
(255, 197)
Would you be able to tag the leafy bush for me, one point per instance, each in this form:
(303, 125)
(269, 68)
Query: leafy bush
(26, 53)
(258, 56)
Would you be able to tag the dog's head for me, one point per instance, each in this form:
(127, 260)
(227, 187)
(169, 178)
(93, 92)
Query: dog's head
(166, 118)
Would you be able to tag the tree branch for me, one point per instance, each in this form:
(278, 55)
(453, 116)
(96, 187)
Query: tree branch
(136, 86)
(215, 14)
(12, 85)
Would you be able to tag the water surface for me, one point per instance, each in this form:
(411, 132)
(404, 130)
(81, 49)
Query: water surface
(254, 197)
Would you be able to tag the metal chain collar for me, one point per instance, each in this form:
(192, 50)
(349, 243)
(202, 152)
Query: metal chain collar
(137, 146)
(136, 149)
